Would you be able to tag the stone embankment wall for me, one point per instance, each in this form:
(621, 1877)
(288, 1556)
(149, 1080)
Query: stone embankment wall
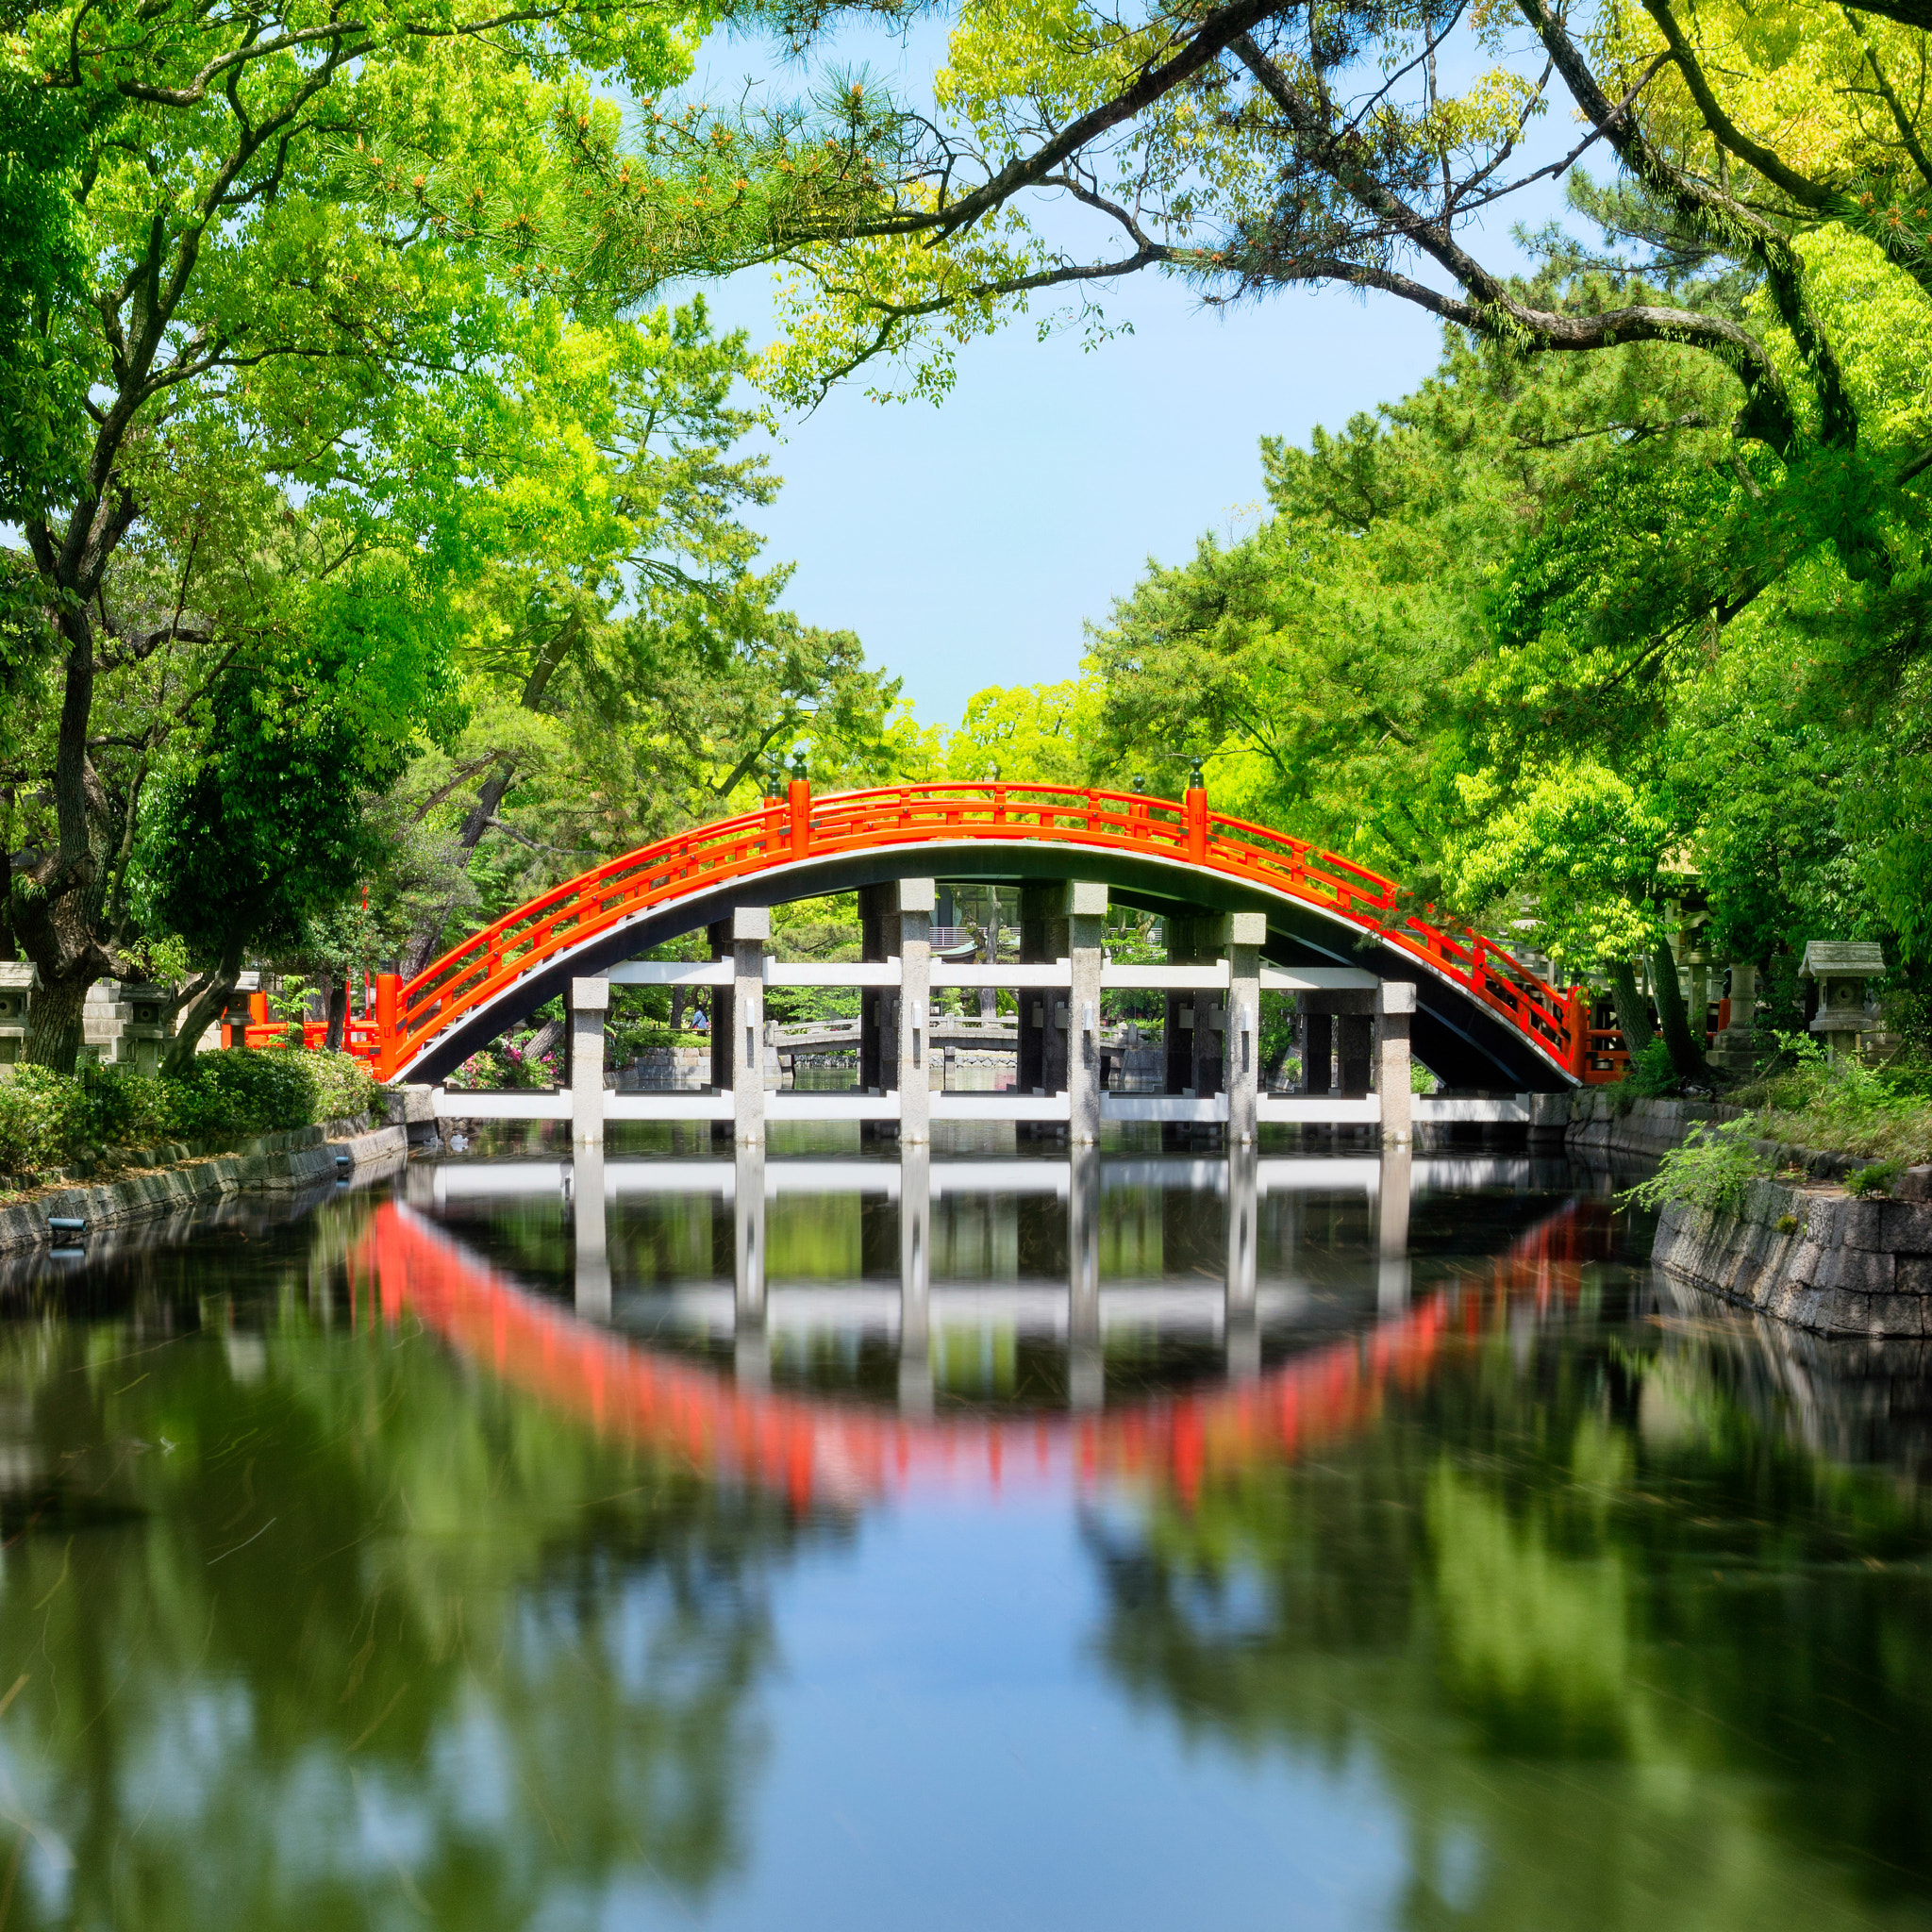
(170, 1178)
(1800, 1249)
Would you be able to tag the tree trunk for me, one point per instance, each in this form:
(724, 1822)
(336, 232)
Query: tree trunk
(338, 1015)
(541, 1042)
(54, 1021)
(678, 1009)
(1687, 1050)
(205, 1007)
(1633, 1013)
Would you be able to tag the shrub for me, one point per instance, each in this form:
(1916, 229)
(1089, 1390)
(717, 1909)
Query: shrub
(1714, 1169)
(1651, 1074)
(1876, 1179)
(47, 1121)
(1840, 1104)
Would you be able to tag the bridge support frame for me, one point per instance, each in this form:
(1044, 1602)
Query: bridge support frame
(1395, 1001)
(1192, 1052)
(737, 1020)
(1243, 934)
(1086, 905)
(590, 1000)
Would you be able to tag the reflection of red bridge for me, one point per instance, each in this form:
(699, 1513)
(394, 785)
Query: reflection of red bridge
(815, 1448)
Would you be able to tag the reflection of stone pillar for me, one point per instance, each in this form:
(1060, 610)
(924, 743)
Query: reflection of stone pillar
(915, 1278)
(589, 1001)
(1395, 1005)
(748, 1232)
(1243, 1217)
(589, 1237)
(1391, 1233)
(1246, 932)
(1086, 927)
(1085, 1376)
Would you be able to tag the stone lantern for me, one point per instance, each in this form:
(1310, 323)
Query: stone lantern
(1842, 967)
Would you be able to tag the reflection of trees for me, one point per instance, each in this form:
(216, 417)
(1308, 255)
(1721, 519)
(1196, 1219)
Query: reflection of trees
(320, 1630)
(1617, 1649)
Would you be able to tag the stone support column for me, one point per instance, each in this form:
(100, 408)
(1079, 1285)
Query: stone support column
(590, 1000)
(1394, 1014)
(1318, 1047)
(1192, 939)
(1086, 905)
(1353, 1053)
(751, 926)
(913, 1074)
(1039, 912)
(878, 1052)
(1244, 934)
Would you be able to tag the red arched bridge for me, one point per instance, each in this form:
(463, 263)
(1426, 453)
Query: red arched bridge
(1482, 1018)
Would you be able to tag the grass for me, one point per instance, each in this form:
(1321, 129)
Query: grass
(1841, 1106)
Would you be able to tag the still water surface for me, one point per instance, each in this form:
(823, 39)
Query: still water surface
(351, 1578)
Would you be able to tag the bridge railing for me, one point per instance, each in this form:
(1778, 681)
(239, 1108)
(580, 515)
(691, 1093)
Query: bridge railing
(411, 1014)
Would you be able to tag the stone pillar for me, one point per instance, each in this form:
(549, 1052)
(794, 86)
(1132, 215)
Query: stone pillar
(915, 1279)
(1039, 912)
(1244, 934)
(878, 1053)
(1698, 998)
(1318, 1047)
(1086, 1371)
(589, 1236)
(1394, 1014)
(590, 1000)
(1735, 1049)
(1085, 905)
(1354, 1052)
(751, 926)
(913, 1075)
(1391, 1233)
(1192, 939)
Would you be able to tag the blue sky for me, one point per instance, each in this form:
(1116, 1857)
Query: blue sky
(968, 543)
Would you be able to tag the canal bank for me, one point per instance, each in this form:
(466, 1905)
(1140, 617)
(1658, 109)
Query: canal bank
(161, 1181)
(1797, 1247)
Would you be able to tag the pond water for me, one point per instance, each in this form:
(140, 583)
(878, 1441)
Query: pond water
(386, 1563)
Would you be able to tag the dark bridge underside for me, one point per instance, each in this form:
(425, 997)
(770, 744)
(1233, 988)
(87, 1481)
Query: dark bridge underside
(1455, 1035)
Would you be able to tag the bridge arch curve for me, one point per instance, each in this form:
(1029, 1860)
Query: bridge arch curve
(1482, 1019)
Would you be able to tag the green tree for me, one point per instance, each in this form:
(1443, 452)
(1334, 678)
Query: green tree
(250, 280)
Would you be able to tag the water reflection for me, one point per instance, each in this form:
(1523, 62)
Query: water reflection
(708, 1540)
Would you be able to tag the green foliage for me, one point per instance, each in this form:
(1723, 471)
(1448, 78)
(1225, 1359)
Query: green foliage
(1713, 1169)
(1875, 1180)
(49, 1120)
(1836, 1103)
(1651, 1074)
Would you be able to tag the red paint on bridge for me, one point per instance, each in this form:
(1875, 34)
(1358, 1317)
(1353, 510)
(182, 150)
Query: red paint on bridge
(410, 1015)
(813, 1448)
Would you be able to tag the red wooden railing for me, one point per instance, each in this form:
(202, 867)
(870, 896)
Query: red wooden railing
(409, 1015)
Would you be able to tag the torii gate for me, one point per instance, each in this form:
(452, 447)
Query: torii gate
(1324, 925)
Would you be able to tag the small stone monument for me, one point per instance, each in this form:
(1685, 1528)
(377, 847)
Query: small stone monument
(1842, 967)
(1735, 1049)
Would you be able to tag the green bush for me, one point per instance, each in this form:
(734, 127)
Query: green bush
(1651, 1076)
(1713, 1169)
(47, 1121)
